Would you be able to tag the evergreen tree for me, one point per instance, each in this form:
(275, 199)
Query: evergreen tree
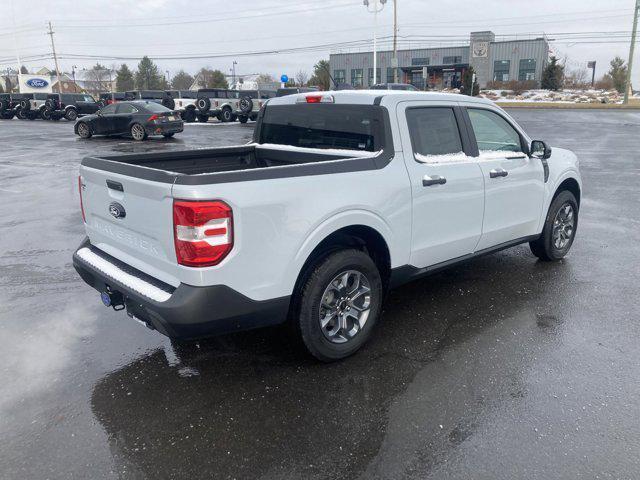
(124, 79)
(618, 74)
(469, 87)
(148, 76)
(24, 69)
(320, 77)
(553, 75)
(182, 81)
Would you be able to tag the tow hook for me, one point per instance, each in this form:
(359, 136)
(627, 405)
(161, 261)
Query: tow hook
(113, 299)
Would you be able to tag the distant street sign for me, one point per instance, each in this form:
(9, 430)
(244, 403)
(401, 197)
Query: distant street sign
(591, 64)
(284, 78)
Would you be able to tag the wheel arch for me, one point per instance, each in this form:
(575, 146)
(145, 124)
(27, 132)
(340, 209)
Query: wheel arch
(357, 235)
(570, 184)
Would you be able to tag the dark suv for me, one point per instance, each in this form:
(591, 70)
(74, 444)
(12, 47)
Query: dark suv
(69, 106)
(158, 96)
(10, 104)
(107, 98)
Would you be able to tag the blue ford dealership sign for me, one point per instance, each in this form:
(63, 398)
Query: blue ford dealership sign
(37, 83)
(284, 78)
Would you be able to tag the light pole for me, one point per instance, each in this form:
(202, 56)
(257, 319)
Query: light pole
(73, 74)
(233, 72)
(377, 7)
(168, 79)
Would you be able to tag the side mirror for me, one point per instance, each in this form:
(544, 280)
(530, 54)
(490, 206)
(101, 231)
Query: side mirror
(540, 149)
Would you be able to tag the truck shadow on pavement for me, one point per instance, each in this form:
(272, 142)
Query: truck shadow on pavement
(250, 406)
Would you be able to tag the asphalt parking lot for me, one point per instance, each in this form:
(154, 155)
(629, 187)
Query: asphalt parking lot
(501, 368)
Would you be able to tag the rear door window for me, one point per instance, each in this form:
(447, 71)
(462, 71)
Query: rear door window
(434, 133)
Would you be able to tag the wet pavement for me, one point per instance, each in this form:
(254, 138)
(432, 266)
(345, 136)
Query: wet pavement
(500, 368)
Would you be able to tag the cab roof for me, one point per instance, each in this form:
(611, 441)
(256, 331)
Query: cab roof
(370, 97)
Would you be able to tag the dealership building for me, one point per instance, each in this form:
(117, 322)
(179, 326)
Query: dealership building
(444, 66)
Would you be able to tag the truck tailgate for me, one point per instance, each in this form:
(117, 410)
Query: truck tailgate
(131, 219)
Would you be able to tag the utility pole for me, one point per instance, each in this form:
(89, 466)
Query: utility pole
(394, 62)
(55, 58)
(631, 48)
(375, 12)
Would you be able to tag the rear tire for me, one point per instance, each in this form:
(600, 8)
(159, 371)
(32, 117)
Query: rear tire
(338, 304)
(243, 119)
(226, 115)
(189, 115)
(203, 118)
(559, 230)
(71, 115)
(138, 133)
(21, 114)
(168, 135)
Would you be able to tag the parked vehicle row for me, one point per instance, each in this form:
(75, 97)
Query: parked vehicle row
(47, 106)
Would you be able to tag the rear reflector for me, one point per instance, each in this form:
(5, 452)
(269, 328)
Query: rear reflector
(316, 99)
(80, 186)
(203, 232)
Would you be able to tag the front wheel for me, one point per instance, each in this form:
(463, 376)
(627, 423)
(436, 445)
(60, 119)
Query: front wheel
(338, 305)
(243, 119)
(83, 130)
(138, 132)
(203, 118)
(189, 115)
(559, 229)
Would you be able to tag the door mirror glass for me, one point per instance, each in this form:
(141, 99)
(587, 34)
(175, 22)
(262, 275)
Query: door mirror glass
(540, 149)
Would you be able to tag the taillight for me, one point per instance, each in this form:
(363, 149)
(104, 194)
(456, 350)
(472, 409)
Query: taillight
(153, 118)
(80, 185)
(109, 102)
(203, 232)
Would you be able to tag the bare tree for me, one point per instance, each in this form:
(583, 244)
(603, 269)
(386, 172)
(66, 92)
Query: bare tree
(302, 78)
(264, 78)
(98, 79)
(577, 78)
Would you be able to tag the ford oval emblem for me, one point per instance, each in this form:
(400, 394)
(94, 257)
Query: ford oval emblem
(116, 210)
(37, 83)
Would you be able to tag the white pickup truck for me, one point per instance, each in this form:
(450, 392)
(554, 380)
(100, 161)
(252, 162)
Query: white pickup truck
(340, 196)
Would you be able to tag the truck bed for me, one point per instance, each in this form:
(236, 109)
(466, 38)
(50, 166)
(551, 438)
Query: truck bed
(175, 166)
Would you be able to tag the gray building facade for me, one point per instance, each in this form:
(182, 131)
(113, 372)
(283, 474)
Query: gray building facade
(444, 66)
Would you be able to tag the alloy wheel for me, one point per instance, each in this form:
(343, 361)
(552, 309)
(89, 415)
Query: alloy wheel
(345, 306)
(137, 132)
(563, 226)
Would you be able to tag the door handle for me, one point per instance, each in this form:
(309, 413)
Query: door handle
(498, 172)
(428, 181)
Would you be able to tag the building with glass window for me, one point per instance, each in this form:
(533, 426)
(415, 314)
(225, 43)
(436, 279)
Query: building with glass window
(443, 67)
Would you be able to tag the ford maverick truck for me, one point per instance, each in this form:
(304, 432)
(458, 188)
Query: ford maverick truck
(339, 197)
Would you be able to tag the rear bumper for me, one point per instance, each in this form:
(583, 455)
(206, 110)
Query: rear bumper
(184, 312)
(175, 127)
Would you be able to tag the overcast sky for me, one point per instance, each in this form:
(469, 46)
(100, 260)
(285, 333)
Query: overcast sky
(216, 27)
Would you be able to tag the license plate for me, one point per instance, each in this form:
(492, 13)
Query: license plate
(171, 118)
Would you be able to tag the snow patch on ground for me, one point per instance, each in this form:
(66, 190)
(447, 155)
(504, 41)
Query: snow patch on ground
(561, 96)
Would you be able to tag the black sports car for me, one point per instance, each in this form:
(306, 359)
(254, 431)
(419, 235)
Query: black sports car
(137, 119)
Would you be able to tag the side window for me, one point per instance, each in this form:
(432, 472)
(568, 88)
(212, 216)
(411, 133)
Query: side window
(434, 132)
(493, 133)
(126, 108)
(109, 109)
